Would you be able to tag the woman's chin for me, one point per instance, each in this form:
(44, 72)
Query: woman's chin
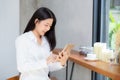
(42, 34)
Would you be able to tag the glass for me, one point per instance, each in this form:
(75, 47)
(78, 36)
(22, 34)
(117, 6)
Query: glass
(112, 60)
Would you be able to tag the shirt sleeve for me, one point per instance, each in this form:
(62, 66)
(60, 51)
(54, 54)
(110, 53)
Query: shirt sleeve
(55, 66)
(24, 61)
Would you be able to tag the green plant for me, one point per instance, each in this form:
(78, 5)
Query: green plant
(114, 27)
(112, 34)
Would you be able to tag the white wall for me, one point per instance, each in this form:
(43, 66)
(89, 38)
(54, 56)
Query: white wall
(9, 29)
(74, 25)
(27, 8)
(74, 21)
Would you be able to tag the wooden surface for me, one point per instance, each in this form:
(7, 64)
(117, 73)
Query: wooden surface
(112, 71)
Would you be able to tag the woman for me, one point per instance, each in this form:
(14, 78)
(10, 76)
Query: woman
(34, 47)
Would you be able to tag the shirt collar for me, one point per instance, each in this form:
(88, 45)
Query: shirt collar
(33, 38)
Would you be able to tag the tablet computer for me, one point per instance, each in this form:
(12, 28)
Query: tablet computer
(68, 48)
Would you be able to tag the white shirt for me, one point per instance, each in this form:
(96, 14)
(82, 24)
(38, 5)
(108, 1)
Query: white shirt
(31, 58)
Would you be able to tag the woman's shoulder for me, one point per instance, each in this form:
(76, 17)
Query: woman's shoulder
(22, 37)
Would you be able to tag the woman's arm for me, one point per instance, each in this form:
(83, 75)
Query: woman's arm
(58, 62)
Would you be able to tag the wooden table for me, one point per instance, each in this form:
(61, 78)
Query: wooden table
(106, 69)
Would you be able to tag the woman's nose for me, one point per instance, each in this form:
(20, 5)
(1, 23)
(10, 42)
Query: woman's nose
(48, 28)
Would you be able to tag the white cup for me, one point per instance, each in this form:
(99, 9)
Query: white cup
(91, 55)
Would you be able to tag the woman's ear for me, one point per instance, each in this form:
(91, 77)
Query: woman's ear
(36, 21)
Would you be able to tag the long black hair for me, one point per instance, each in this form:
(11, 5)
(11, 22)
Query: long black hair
(42, 14)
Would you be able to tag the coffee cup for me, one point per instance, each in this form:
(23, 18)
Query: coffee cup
(91, 56)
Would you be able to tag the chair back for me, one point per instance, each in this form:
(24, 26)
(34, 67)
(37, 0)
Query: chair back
(17, 78)
(14, 78)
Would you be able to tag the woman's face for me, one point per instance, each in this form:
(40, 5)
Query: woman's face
(43, 26)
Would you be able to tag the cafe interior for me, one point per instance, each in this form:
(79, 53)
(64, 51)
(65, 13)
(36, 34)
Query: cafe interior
(92, 27)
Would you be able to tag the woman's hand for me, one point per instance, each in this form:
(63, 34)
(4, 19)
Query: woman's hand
(51, 58)
(62, 58)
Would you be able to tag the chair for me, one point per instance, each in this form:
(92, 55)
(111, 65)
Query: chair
(53, 78)
(17, 78)
(14, 78)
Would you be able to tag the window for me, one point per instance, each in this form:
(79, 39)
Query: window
(106, 24)
(114, 21)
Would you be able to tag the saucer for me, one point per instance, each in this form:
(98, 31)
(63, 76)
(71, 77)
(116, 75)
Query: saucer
(90, 59)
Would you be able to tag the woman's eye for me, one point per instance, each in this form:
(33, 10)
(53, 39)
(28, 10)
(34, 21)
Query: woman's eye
(47, 26)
